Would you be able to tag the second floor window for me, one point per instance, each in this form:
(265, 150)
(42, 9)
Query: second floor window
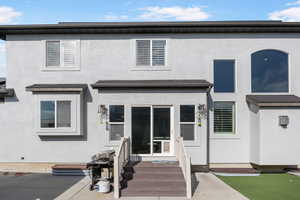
(150, 52)
(270, 71)
(224, 76)
(63, 53)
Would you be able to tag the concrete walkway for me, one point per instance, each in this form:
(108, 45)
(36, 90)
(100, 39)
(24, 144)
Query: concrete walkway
(206, 187)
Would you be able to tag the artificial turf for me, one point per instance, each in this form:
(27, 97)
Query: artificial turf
(266, 186)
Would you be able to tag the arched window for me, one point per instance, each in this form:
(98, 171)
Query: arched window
(269, 71)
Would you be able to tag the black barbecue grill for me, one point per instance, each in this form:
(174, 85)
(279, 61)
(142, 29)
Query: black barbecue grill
(99, 161)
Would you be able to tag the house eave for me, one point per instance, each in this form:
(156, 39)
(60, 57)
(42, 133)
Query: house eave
(152, 84)
(7, 92)
(57, 88)
(152, 27)
(273, 100)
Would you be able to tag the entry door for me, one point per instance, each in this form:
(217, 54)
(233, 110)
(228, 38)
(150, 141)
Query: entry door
(151, 130)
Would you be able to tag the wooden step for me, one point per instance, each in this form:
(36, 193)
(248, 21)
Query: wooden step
(157, 176)
(153, 164)
(152, 170)
(153, 179)
(156, 185)
(142, 193)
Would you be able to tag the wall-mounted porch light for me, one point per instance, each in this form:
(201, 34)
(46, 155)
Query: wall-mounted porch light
(201, 113)
(102, 110)
(284, 121)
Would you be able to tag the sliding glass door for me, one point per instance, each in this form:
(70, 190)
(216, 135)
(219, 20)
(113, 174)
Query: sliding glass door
(151, 130)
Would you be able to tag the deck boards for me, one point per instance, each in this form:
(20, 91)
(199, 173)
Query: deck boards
(153, 179)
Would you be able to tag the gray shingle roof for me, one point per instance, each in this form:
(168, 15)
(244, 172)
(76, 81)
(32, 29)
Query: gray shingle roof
(102, 84)
(274, 100)
(2, 80)
(57, 87)
(4, 92)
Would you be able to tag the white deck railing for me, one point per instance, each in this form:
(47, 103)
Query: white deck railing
(120, 160)
(185, 164)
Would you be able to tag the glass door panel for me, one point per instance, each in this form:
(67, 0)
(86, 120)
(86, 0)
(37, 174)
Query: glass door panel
(161, 124)
(141, 130)
(161, 130)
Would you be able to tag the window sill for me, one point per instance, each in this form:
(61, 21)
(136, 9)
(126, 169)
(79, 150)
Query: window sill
(150, 68)
(58, 132)
(224, 136)
(58, 68)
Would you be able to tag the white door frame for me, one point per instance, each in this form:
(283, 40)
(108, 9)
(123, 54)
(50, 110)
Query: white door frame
(171, 141)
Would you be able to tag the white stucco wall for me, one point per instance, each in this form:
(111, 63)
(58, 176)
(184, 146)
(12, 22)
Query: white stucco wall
(279, 146)
(255, 140)
(190, 56)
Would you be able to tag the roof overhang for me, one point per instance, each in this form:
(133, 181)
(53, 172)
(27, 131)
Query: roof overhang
(152, 84)
(274, 100)
(7, 92)
(57, 88)
(152, 27)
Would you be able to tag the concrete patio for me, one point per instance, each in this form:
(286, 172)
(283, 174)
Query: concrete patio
(206, 187)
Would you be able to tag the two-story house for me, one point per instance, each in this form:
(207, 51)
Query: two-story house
(228, 88)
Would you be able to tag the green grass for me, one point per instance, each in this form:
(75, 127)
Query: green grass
(266, 186)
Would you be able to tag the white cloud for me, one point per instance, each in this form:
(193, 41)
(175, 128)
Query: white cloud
(8, 14)
(173, 13)
(112, 17)
(293, 3)
(290, 14)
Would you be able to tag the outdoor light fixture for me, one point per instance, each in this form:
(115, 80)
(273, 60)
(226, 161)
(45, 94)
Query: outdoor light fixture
(102, 110)
(284, 121)
(201, 113)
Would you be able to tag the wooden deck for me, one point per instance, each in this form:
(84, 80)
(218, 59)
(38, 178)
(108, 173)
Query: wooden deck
(153, 179)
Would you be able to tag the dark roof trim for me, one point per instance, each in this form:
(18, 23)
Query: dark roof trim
(4, 92)
(274, 100)
(57, 88)
(2, 80)
(152, 27)
(151, 84)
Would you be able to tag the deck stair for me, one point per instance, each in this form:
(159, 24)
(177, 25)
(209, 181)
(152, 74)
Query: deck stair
(153, 179)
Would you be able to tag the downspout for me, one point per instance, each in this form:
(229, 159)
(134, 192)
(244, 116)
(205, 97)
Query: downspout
(208, 126)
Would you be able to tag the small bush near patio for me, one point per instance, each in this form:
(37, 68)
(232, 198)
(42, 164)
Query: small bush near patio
(266, 186)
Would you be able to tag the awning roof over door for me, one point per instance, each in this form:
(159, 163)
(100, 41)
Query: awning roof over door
(274, 100)
(4, 92)
(151, 84)
(57, 88)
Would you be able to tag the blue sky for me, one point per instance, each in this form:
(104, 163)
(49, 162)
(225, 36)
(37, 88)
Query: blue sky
(53, 11)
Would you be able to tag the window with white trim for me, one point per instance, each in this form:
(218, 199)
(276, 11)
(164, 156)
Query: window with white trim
(62, 54)
(58, 114)
(151, 53)
(187, 122)
(55, 114)
(116, 122)
(224, 117)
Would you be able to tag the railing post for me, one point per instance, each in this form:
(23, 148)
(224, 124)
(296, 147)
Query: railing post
(188, 178)
(116, 178)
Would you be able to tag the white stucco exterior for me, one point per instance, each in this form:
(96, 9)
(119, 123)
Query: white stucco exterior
(272, 144)
(111, 57)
